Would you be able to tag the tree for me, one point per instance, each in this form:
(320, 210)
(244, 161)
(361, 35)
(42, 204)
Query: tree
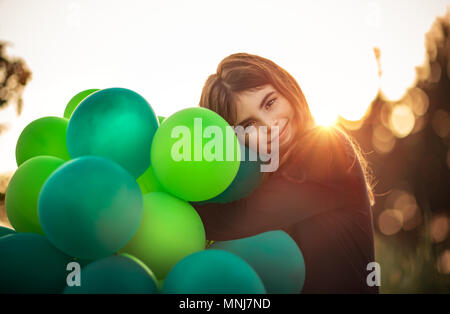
(412, 169)
(14, 75)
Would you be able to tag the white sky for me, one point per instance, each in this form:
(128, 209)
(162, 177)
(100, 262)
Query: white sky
(165, 50)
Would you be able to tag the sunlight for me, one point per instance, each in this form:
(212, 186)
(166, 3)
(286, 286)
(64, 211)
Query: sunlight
(354, 85)
(165, 54)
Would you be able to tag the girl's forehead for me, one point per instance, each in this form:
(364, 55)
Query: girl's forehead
(253, 95)
(256, 90)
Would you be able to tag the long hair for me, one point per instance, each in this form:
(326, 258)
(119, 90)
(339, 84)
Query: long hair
(245, 72)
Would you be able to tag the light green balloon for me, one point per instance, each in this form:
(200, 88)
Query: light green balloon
(75, 101)
(23, 190)
(161, 119)
(44, 136)
(170, 229)
(148, 182)
(190, 163)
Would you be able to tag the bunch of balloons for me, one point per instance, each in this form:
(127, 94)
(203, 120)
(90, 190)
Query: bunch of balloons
(107, 188)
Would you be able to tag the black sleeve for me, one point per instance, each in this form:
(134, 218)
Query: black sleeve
(284, 199)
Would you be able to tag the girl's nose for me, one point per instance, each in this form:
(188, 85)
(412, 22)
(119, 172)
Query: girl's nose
(270, 122)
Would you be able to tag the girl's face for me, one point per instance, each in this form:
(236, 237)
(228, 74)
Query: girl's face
(265, 107)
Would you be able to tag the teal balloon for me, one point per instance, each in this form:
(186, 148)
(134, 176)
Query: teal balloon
(117, 274)
(90, 207)
(212, 272)
(248, 178)
(30, 264)
(75, 101)
(115, 123)
(5, 231)
(275, 256)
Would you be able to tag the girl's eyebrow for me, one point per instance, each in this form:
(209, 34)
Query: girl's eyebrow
(263, 101)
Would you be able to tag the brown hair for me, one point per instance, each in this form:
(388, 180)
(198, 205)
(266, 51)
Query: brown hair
(242, 72)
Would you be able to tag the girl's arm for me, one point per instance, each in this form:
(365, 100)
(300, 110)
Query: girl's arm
(282, 200)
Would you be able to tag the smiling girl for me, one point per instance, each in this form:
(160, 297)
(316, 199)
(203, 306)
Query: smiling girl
(321, 193)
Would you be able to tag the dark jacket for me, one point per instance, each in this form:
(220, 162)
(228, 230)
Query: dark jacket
(319, 197)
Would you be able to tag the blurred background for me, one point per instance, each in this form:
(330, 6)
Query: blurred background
(379, 69)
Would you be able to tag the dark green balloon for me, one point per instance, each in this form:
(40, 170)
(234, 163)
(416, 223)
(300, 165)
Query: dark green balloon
(212, 272)
(160, 284)
(5, 231)
(275, 256)
(117, 274)
(30, 264)
(44, 136)
(75, 101)
(114, 123)
(90, 207)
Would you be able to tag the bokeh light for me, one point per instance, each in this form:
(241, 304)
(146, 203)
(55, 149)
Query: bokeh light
(420, 124)
(390, 221)
(435, 73)
(402, 120)
(382, 139)
(439, 229)
(406, 204)
(443, 263)
(441, 123)
(419, 101)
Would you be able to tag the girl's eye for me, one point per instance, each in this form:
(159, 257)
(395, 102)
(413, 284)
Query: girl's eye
(250, 123)
(270, 103)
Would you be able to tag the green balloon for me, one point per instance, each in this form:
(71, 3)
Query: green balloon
(148, 182)
(30, 264)
(160, 284)
(44, 136)
(170, 229)
(161, 119)
(73, 103)
(195, 154)
(90, 207)
(213, 272)
(22, 193)
(5, 231)
(117, 274)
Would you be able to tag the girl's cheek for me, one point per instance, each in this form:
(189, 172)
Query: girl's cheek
(252, 139)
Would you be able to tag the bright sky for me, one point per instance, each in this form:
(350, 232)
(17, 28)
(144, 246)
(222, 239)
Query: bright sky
(165, 50)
